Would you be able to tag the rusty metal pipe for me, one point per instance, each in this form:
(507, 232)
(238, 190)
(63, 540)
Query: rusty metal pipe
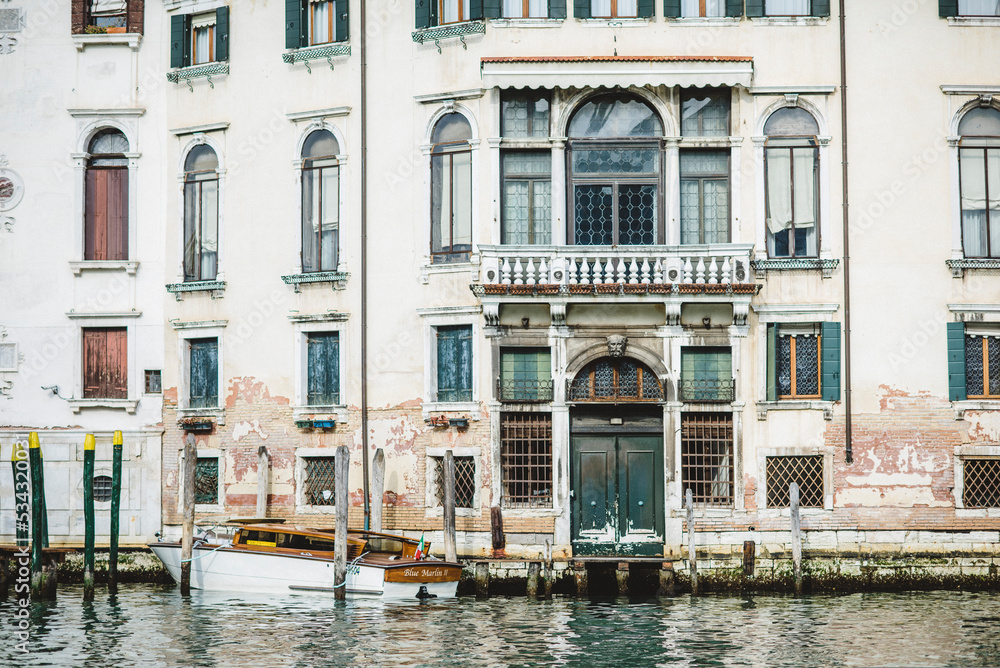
(847, 235)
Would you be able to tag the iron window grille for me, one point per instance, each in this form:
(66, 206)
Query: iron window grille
(611, 380)
(526, 460)
(206, 480)
(465, 481)
(982, 367)
(981, 483)
(321, 472)
(102, 488)
(804, 470)
(707, 457)
(154, 383)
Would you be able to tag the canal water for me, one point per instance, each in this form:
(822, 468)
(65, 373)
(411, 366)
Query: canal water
(151, 625)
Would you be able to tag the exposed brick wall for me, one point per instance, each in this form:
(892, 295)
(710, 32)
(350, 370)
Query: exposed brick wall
(134, 17)
(78, 16)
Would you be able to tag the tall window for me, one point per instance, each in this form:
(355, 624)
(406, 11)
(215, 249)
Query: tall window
(105, 363)
(201, 214)
(323, 369)
(454, 363)
(979, 7)
(982, 367)
(320, 202)
(522, 9)
(979, 167)
(321, 23)
(615, 167)
(203, 39)
(526, 460)
(786, 7)
(527, 197)
(791, 164)
(704, 197)
(608, 9)
(453, 11)
(451, 190)
(203, 378)
(524, 114)
(707, 457)
(106, 214)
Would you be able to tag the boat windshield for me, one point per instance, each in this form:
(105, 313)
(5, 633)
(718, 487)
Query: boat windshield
(292, 541)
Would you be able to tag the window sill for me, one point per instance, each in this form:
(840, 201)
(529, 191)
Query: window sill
(79, 404)
(338, 413)
(428, 268)
(978, 405)
(217, 414)
(215, 287)
(471, 407)
(527, 23)
(338, 279)
(974, 21)
(208, 70)
(325, 52)
(795, 405)
(130, 39)
(706, 21)
(761, 267)
(958, 266)
(103, 265)
(616, 23)
(790, 20)
(460, 30)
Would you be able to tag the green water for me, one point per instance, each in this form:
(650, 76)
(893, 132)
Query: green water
(153, 626)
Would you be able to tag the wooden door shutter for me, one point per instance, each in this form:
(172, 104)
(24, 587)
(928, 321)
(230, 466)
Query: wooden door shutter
(93, 354)
(426, 13)
(772, 362)
(222, 33)
(671, 9)
(454, 363)
(116, 371)
(323, 362)
(581, 9)
(821, 7)
(134, 16)
(106, 214)
(557, 9)
(180, 40)
(117, 214)
(95, 223)
(645, 8)
(755, 7)
(342, 21)
(203, 385)
(830, 361)
(105, 363)
(78, 16)
(475, 10)
(734, 8)
(956, 361)
(296, 23)
(947, 8)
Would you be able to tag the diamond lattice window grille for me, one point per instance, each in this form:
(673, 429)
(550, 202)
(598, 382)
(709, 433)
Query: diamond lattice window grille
(321, 472)
(465, 481)
(206, 480)
(804, 470)
(981, 483)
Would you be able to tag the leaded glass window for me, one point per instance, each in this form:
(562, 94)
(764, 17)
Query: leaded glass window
(982, 366)
(527, 197)
(616, 379)
(320, 474)
(704, 197)
(525, 374)
(206, 480)
(707, 374)
(465, 481)
(797, 356)
(705, 113)
(525, 114)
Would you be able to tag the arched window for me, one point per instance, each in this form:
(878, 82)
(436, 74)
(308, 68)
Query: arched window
(615, 167)
(791, 166)
(616, 379)
(979, 171)
(201, 214)
(106, 212)
(451, 189)
(320, 202)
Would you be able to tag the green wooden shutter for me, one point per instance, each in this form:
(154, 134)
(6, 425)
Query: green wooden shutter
(830, 361)
(180, 40)
(204, 380)
(454, 363)
(645, 9)
(491, 9)
(820, 7)
(557, 9)
(342, 20)
(296, 22)
(755, 7)
(734, 8)
(947, 8)
(222, 33)
(426, 13)
(323, 362)
(476, 10)
(581, 9)
(671, 9)
(772, 362)
(956, 361)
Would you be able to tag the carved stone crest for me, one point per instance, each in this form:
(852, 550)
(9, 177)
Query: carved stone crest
(11, 186)
(617, 345)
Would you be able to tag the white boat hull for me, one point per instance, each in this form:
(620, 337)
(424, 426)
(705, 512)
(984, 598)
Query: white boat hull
(255, 572)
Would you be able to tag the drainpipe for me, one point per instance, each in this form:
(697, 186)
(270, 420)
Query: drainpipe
(847, 235)
(362, 43)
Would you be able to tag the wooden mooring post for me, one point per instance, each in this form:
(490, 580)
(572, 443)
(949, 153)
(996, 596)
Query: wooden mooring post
(88, 517)
(263, 475)
(580, 575)
(116, 503)
(21, 471)
(749, 558)
(378, 489)
(482, 578)
(534, 575)
(342, 467)
(621, 575)
(43, 579)
(692, 550)
(187, 531)
(666, 579)
(793, 497)
(450, 549)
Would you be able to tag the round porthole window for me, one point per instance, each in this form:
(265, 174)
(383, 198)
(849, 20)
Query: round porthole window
(102, 488)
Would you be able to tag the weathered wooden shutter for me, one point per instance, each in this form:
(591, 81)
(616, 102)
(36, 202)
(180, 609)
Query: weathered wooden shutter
(820, 7)
(180, 40)
(645, 8)
(222, 33)
(671, 9)
(734, 8)
(134, 16)
(78, 16)
(476, 10)
(94, 214)
(296, 22)
(772, 362)
(204, 381)
(830, 361)
(343, 20)
(105, 363)
(93, 353)
(947, 8)
(323, 382)
(581, 9)
(956, 361)
(492, 9)
(426, 13)
(755, 7)
(117, 207)
(454, 363)
(106, 214)
(116, 376)
(557, 9)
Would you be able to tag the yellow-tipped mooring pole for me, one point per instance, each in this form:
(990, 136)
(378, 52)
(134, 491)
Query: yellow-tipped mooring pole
(116, 498)
(22, 474)
(88, 517)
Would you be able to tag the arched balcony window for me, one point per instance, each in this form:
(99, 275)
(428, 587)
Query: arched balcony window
(791, 164)
(320, 202)
(613, 379)
(106, 213)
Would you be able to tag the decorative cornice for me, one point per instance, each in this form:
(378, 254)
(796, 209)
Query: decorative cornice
(124, 111)
(215, 287)
(195, 129)
(468, 94)
(337, 278)
(318, 113)
(827, 265)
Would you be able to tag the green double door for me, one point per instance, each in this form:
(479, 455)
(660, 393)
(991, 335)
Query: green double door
(617, 494)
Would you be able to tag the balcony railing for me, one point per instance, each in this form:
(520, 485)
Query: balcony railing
(708, 390)
(722, 264)
(524, 390)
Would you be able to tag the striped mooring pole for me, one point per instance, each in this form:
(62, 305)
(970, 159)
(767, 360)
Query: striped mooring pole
(116, 498)
(88, 517)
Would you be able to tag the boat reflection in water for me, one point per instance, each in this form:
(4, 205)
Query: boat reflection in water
(273, 557)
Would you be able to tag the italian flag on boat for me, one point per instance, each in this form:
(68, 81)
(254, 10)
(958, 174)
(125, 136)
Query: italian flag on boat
(419, 554)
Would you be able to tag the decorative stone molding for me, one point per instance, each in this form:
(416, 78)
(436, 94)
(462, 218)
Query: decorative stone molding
(338, 279)
(11, 186)
(826, 265)
(215, 287)
(617, 345)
